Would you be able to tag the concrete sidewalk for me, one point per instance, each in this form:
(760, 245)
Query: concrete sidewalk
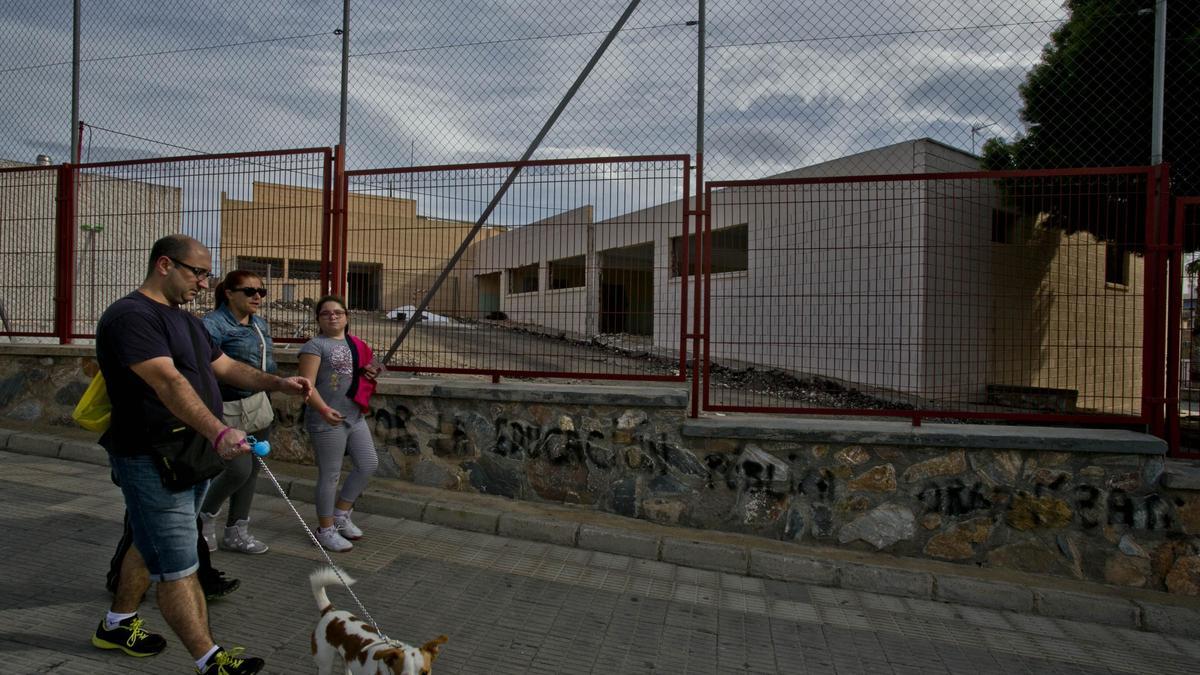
(588, 530)
(513, 606)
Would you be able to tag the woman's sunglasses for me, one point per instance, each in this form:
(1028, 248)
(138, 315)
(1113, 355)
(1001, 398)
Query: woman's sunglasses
(250, 292)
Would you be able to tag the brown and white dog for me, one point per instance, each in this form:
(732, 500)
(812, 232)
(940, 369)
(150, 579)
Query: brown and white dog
(365, 652)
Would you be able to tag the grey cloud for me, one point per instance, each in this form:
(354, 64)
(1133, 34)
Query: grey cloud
(486, 102)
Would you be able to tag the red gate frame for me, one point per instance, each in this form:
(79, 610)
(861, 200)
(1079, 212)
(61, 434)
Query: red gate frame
(65, 300)
(685, 160)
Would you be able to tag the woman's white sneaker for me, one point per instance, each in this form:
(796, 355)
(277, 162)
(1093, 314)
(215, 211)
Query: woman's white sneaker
(346, 527)
(332, 540)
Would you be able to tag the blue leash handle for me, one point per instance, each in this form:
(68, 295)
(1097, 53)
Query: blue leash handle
(260, 448)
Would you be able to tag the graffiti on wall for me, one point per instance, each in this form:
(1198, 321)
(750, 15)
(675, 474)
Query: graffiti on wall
(755, 471)
(1094, 506)
(645, 454)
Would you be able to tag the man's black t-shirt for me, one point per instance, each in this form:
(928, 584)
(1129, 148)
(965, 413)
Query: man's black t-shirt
(135, 329)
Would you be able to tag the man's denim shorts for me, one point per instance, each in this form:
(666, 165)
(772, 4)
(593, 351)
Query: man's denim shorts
(163, 522)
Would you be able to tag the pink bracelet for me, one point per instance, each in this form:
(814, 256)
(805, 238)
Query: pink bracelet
(217, 440)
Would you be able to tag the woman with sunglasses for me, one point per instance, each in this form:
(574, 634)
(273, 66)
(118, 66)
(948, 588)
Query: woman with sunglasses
(246, 337)
(342, 370)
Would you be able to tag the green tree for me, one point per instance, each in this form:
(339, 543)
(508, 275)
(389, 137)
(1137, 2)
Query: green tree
(1088, 103)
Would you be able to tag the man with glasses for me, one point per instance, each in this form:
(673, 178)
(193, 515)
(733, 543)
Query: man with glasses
(162, 368)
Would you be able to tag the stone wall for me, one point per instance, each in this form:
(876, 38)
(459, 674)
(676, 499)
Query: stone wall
(1078, 503)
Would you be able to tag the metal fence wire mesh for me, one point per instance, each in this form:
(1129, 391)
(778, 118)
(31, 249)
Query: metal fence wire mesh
(570, 275)
(266, 212)
(905, 294)
(788, 85)
(27, 250)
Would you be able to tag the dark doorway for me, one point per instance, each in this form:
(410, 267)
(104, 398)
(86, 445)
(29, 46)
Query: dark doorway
(364, 285)
(489, 293)
(627, 290)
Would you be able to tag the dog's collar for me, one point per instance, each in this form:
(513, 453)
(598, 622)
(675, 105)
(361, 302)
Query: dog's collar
(388, 642)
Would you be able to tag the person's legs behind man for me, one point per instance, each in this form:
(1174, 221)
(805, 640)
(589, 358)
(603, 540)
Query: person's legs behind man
(214, 582)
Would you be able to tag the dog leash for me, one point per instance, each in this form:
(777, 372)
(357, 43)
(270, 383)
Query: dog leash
(313, 538)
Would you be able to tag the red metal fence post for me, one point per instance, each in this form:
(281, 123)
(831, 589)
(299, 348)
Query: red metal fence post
(1158, 242)
(64, 259)
(340, 224)
(327, 209)
(703, 265)
(1174, 421)
(1174, 334)
(1150, 272)
(335, 219)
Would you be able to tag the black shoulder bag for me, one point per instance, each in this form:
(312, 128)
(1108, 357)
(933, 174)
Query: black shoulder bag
(184, 456)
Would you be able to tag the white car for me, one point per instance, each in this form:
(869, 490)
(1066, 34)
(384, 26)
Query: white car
(402, 314)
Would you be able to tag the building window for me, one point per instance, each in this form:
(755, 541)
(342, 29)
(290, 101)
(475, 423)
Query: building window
(304, 269)
(730, 251)
(1004, 226)
(568, 273)
(523, 279)
(1116, 264)
(263, 267)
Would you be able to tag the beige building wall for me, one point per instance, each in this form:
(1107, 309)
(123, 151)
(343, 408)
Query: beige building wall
(574, 233)
(957, 284)
(279, 227)
(836, 284)
(117, 221)
(394, 253)
(537, 244)
(1058, 324)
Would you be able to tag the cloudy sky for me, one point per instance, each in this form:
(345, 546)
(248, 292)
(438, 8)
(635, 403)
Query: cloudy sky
(788, 83)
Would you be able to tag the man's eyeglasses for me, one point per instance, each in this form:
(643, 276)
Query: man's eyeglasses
(200, 273)
(250, 291)
(331, 313)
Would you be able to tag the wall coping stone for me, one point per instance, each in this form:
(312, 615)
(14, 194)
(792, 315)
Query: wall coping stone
(640, 396)
(1182, 474)
(969, 436)
(758, 427)
(46, 349)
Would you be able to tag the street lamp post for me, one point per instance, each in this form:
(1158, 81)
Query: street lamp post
(975, 129)
(92, 229)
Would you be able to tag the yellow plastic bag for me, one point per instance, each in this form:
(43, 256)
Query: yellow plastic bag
(94, 410)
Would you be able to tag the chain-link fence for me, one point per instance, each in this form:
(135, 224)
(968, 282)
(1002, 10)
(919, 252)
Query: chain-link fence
(577, 272)
(787, 84)
(801, 90)
(916, 295)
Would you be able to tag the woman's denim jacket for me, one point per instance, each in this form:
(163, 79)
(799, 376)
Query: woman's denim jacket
(240, 343)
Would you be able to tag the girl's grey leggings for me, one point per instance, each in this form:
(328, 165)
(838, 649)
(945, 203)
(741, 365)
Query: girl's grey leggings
(330, 445)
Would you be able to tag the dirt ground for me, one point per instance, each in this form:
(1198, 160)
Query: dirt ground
(504, 346)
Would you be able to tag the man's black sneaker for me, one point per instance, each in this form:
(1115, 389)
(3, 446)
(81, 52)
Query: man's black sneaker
(130, 637)
(231, 663)
(216, 585)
